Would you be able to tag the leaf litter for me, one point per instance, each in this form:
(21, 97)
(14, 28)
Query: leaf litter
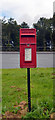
(23, 109)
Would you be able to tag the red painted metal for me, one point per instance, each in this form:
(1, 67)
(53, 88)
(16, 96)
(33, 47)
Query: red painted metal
(27, 43)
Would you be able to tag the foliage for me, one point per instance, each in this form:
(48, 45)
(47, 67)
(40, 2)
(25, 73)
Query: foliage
(41, 111)
(53, 35)
(54, 20)
(44, 28)
(15, 90)
(10, 32)
(24, 25)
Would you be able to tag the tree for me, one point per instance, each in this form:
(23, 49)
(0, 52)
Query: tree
(4, 33)
(24, 25)
(54, 20)
(53, 35)
(10, 30)
(44, 31)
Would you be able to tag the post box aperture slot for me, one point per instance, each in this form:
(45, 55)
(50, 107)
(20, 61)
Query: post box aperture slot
(27, 39)
(25, 35)
(28, 54)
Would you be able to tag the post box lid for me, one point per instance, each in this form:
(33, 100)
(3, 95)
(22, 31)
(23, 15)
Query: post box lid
(27, 35)
(27, 31)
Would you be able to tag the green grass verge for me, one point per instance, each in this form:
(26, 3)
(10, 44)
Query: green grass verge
(14, 89)
(0, 90)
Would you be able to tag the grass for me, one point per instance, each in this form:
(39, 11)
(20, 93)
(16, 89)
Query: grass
(0, 90)
(14, 89)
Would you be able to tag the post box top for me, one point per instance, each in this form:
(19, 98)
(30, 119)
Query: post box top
(27, 31)
(27, 36)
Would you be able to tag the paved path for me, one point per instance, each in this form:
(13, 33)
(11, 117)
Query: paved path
(12, 59)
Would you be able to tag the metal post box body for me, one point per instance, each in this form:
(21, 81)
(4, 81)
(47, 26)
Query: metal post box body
(27, 48)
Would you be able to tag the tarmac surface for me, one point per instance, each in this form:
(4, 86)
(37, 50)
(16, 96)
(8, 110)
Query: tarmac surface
(12, 59)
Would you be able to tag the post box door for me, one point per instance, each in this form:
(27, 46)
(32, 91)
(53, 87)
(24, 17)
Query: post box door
(28, 56)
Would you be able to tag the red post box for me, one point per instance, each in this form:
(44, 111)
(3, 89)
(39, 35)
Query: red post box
(27, 48)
